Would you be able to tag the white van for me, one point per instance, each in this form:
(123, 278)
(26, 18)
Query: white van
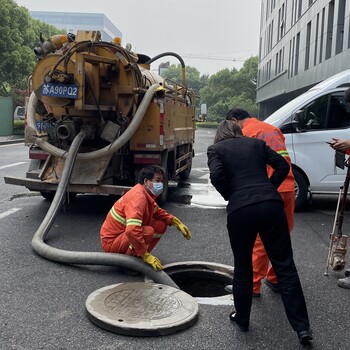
(308, 122)
(19, 113)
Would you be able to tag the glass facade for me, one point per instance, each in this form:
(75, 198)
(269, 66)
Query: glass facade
(301, 44)
(73, 21)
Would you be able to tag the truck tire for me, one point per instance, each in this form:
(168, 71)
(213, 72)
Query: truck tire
(164, 164)
(301, 191)
(184, 175)
(163, 197)
(48, 195)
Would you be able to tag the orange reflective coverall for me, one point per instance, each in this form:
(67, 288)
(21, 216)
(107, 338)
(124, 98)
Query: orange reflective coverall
(275, 140)
(135, 224)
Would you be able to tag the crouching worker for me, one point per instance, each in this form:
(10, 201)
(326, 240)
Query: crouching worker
(135, 223)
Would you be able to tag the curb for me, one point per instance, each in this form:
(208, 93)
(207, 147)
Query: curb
(11, 141)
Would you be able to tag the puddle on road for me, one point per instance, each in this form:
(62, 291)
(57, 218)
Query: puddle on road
(201, 195)
(24, 195)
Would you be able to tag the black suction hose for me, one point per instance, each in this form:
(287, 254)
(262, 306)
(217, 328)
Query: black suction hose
(85, 258)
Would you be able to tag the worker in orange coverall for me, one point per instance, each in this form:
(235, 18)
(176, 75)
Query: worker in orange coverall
(135, 223)
(274, 138)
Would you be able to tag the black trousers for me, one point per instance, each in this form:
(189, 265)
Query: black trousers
(268, 219)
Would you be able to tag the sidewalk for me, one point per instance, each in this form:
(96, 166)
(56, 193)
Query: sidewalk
(6, 140)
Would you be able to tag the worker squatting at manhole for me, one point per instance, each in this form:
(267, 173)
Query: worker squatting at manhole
(141, 309)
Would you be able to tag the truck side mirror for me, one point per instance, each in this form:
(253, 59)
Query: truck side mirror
(298, 121)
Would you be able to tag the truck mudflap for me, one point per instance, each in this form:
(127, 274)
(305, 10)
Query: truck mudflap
(38, 185)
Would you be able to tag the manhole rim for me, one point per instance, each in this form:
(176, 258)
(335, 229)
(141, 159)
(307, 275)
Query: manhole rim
(212, 266)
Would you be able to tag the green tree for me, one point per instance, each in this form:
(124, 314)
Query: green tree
(231, 88)
(18, 33)
(193, 79)
(14, 59)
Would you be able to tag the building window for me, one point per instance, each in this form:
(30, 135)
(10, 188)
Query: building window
(272, 5)
(260, 48)
(329, 34)
(292, 57)
(271, 36)
(300, 8)
(267, 9)
(279, 61)
(340, 27)
(297, 46)
(316, 39)
(307, 48)
(322, 31)
(281, 22)
(279, 36)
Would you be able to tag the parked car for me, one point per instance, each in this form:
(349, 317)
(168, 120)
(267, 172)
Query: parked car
(19, 113)
(308, 122)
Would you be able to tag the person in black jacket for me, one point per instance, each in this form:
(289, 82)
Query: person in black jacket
(237, 167)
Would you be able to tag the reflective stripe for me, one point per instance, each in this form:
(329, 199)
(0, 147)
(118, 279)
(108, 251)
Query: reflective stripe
(117, 217)
(157, 235)
(135, 222)
(130, 246)
(122, 220)
(283, 153)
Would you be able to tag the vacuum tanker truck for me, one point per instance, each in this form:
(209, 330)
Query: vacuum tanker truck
(133, 117)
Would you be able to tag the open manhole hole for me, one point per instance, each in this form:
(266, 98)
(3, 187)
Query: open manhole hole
(201, 279)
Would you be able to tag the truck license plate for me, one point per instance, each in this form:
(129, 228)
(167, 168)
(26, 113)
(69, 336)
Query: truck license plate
(60, 90)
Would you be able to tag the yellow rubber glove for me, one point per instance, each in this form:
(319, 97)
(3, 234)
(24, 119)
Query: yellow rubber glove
(181, 227)
(152, 260)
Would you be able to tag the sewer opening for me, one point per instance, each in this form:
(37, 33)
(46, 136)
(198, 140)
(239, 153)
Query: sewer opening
(201, 282)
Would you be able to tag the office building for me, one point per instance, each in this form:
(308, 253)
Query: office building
(73, 21)
(302, 42)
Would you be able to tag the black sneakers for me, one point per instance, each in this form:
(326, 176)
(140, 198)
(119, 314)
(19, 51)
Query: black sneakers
(273, 286)
(305, 336)
(229, 288)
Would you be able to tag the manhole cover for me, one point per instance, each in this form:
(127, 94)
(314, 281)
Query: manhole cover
(141, 309)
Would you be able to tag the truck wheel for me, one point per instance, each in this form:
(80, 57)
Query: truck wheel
(50, 194)
(185, 173)
(163, 197)
(301, 191)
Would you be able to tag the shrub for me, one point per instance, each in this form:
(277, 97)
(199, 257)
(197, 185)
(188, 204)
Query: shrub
(18, 127)
(209, 125)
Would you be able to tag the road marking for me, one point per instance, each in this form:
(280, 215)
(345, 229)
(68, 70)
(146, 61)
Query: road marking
(9, 212)
(11, 165)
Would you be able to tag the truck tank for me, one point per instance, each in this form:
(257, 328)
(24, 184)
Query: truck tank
(133, 115)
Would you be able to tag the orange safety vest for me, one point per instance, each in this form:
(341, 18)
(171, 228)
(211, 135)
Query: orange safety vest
(274, 138)
(134, 209)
